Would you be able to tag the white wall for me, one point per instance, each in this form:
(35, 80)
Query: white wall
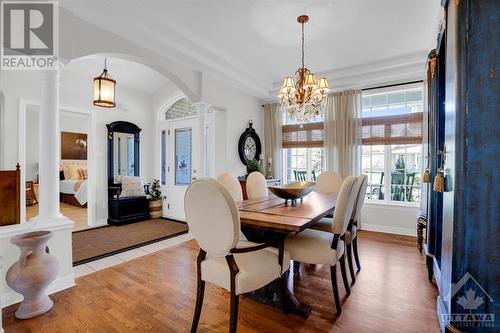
(32, 146)
(393, 219)
(240, 108)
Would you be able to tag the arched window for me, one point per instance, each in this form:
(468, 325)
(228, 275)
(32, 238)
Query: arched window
(180, 109)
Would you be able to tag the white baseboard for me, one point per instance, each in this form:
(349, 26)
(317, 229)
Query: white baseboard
(100, 223)
(64, 282)
(389, 229)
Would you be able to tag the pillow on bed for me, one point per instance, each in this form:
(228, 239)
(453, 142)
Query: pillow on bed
(83, 174)
(132, 187)
(71, 172)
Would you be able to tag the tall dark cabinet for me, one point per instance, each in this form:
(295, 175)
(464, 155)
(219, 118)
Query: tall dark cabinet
(464, 121)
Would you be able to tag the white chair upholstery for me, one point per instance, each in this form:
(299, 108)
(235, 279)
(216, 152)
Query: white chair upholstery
(214, 222)
(256, 269)
(328, 182)
(232, 184)
(256, 185)
(358, 205)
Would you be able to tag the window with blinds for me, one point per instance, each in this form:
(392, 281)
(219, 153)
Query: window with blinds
(393, 129)
(303, 135)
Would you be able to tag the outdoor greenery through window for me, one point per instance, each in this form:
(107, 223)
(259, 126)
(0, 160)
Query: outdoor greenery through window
(392, 143)
(303, 153)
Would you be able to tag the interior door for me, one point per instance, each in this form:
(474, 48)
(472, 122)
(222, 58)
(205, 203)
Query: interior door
(183, 163)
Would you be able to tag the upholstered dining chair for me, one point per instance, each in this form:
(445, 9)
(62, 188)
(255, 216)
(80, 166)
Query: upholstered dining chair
(350, 238)
(328, 182)
(256, 185)
(327, 248)
(223, 260)
(351, 241)
(232, 184)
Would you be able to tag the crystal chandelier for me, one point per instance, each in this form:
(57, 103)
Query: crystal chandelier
(306, 98)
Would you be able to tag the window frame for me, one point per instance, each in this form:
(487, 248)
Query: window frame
(388, 167)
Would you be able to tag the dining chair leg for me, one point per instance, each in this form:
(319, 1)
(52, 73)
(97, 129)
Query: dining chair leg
(200, 292)
(344, 275)
(333, 275)
(296, 267)
(355, 249)
(283, 292)
(233, 321)
(349, 262)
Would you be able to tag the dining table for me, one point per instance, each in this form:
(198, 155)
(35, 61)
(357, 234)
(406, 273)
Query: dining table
(271, 219)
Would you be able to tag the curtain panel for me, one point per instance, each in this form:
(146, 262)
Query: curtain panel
(342, 133)
(272, 140)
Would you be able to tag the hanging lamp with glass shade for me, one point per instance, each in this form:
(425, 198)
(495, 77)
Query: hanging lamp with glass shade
(104, 89)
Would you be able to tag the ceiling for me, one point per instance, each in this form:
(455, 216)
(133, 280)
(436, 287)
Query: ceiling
(257, 43)
(126, 73)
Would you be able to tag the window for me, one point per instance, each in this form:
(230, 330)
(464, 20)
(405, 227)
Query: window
(303, 153)
(392, 143)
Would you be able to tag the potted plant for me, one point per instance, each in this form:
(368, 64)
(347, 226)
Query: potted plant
(155, 198)
(254, 165)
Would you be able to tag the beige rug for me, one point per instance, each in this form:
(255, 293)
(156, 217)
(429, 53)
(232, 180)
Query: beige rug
(105, 241)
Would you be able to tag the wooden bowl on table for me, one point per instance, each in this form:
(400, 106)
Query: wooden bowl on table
(292, 191)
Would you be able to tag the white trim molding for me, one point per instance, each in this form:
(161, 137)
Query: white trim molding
(389, 229)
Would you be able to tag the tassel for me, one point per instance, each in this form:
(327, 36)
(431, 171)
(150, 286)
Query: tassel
(427, 176)
(439, 181)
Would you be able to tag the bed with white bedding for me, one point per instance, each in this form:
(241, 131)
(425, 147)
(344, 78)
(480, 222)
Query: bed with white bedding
(72, 184)
(77, 188)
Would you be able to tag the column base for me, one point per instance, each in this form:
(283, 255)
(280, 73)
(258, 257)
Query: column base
(50, 222)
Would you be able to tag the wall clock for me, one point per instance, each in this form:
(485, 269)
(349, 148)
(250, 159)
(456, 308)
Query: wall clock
(249, 146)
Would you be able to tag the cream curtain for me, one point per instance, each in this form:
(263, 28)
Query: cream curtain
(342, 133)
(272, 139)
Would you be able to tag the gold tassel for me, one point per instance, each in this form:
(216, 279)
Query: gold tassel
(427, 176)
(439, 181)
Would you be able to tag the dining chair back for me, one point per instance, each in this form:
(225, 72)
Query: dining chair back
(328, 182)
(232, 184)
(344, 205)
(360, 196)
(212, 216)
(256, 185)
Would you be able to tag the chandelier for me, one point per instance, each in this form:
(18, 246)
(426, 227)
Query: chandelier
(305, 99)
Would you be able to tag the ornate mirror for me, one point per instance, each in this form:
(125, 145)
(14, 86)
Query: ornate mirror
(123, 150)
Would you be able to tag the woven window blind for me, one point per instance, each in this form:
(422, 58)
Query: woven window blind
(397, 129)
(303, 135)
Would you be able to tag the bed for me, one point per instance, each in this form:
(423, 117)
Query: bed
(73, 188)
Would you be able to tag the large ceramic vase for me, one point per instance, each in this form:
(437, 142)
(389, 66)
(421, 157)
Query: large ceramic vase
(155, 209)
(32, 273)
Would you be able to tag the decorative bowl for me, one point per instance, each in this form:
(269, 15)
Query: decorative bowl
(292, 191)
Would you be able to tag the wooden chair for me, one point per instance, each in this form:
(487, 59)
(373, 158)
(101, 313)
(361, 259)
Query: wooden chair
(31, 198)
(239, 267)
(10, 196)
(256, 185)
(327, 248)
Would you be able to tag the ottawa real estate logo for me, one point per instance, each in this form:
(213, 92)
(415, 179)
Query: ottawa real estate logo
(471, 299)
(29, 35)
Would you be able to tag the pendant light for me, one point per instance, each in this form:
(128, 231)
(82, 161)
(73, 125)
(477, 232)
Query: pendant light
(104, 89)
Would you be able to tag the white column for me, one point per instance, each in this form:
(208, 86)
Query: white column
(202, 108)
(50, 147)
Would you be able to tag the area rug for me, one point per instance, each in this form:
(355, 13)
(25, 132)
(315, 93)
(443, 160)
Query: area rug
(92, 244)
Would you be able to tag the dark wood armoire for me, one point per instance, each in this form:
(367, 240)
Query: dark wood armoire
(464, 129)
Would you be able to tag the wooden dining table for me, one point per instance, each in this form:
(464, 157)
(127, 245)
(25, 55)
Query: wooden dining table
(270, 219)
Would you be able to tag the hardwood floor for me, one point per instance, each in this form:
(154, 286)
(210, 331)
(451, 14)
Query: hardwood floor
(76, 214)
(156, 293)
